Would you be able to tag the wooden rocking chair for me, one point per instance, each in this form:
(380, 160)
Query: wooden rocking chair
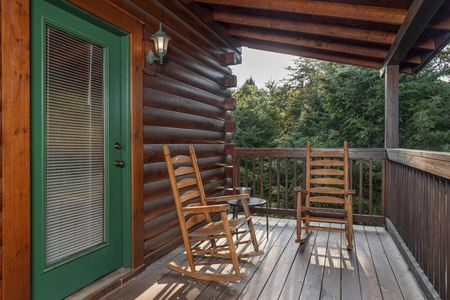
(207, 242)
(327, 197)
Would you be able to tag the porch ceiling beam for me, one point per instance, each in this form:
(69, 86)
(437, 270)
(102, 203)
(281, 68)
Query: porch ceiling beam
(441, 42)
(351, 33)
(310, 43)
(343, 32)
(441, 20)
(205, 15)
(309, 53)
(419, 15)
(325, 9)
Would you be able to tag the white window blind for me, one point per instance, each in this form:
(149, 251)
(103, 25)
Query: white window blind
(74, 145)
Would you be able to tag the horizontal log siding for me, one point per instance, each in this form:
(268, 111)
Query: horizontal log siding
(418, 190)
(184, 103)
(283, 170)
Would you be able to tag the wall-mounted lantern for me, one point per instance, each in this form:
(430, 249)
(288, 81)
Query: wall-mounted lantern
(161, 41)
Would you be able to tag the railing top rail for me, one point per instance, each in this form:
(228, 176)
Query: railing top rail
(436, 163)
(301, 152)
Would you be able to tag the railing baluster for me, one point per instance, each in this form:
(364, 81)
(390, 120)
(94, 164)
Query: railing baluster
(419, 183)
(270, 182)
(383, 188)
(370, 186)
(350, 163)
(304, 172)
(278, 183)
(237, 171)
(253, 177)
(295, 181)
(261, 177)
(360, 185)
(245, 171)
(269, 185)
(286, 182)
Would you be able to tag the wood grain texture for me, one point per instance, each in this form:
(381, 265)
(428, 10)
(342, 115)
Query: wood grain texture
(299, 26)
(15, 17)
(341, 10)
(375, 35)
(419, 216)
(282, 273)
(436, 163)
(177, 16)
(391, 106)
(151, 15)
(1, 193)
(175, 103)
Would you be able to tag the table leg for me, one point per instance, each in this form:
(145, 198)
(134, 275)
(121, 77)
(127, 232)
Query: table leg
(267, 219)
(235, 212)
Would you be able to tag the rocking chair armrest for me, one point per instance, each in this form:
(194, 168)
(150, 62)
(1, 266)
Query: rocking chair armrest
(350, 192)
(228, 197)
(206, 209)
(301, 190)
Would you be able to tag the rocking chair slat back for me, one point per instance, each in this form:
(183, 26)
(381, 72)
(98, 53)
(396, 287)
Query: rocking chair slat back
(326, 195)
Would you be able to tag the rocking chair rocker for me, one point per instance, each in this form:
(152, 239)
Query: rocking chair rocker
(207, 242)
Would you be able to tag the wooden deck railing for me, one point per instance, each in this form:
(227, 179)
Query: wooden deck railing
(418, 190)
(407, 190)
(274, 172)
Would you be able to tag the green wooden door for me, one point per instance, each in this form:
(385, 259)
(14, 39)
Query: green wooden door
(78, 151)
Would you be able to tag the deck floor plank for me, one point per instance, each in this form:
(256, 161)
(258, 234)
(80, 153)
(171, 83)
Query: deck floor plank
(386, 277)
(294, 281)
(279, 275)
(312, 284)
(321, 268)
(234, 289)
(350, 285)
(405, 279)
(261, 278)
(331, 286)
(214, 289)
(370, 288)
(149, 277)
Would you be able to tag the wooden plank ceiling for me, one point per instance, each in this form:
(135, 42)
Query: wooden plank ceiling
(368, 33)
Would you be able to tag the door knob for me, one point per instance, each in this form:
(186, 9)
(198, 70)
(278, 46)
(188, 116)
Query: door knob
(119, 163)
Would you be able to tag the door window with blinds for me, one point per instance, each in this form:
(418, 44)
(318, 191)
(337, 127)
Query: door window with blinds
(74, 145)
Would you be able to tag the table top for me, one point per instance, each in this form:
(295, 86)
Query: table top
(250, 202)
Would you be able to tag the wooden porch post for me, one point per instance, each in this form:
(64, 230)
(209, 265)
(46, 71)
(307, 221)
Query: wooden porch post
(15, 17)
(391, 106)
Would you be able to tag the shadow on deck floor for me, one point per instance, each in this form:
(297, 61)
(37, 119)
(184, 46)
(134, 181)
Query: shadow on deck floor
(322, 268)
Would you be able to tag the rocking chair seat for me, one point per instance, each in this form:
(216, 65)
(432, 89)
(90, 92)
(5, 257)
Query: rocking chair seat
(217, 228)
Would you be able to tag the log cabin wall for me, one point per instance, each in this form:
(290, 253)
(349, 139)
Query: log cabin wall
(185, 101)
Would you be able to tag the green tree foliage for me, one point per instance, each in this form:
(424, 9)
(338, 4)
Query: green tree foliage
(425, 107)
(327, 103)
(254, 117)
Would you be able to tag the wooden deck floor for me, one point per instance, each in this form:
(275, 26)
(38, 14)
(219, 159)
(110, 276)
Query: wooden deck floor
(322, 268)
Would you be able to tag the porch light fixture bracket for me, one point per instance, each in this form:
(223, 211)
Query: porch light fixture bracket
(161, 41)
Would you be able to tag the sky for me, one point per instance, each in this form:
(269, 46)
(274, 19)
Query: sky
(262, 66)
